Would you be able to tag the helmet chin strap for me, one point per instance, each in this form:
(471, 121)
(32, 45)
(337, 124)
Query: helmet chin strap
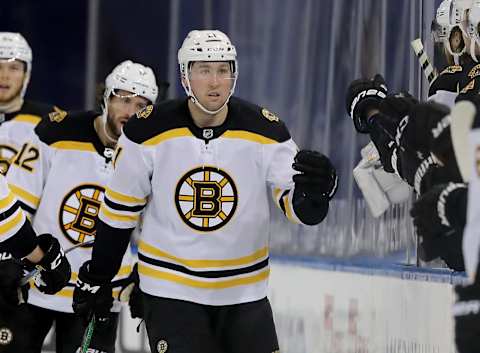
(103, 118)
(473, 45)
(188, 89)
(209, 112)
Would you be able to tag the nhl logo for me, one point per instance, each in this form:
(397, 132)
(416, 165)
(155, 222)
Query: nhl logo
(57, 115)
(162, 346)
(6, 336)
(207, 133)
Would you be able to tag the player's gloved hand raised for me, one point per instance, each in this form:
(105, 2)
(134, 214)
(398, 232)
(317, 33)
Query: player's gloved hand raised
(466, 312)
(315, 185)
(55, 271)
(317, 177)
(92, 295)
(362, 96)
(11, 272)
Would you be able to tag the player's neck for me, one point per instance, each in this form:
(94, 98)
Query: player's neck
(12, 106)
(104, 137)
(203, 119)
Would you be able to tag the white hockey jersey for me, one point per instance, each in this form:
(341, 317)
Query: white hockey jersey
(61, 181)
(205, 197)
(16, 127)
(12, 217)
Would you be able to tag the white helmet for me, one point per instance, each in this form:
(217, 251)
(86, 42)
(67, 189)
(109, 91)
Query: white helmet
(13, 46)
(474, 27)
(451, 14)
(134, 78)
(206, 45)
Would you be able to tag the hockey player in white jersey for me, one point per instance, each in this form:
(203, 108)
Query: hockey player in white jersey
(18, 116)
(202, 170)
(63, 188)
(18, 241)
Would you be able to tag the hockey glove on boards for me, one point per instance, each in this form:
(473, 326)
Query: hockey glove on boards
(363, 95)
(439, 217)
(315, 185)
(11, 272)
(466, 312)
(92, 295)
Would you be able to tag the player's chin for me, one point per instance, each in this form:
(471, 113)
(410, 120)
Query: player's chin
(6, 96)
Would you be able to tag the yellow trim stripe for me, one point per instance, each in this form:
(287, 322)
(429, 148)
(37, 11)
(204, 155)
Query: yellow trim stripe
(122, 198)
(167, 135)
(7, 201)
(250, 136)
(288, 210)
(28, 118)
(25, 195)
(150, 272)
(246, 260)
(118, 217)
(12, 222)
(74, 145)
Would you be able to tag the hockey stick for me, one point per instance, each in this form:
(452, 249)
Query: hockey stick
(462, 114)
(87, 335)
(36, 271)
(427, 67)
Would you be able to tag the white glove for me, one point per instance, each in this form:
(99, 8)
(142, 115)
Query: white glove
(379, 188)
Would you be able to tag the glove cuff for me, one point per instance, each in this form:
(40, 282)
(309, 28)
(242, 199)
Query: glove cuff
(53, 252)
(447, 205)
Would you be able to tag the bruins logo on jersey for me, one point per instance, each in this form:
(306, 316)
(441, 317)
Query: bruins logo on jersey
(7, 155)
(468, 87)
(79, 213)
(474, 72)
(57, 115)
(269, 115)
(206, 198)
(145, 112)
(452, 69)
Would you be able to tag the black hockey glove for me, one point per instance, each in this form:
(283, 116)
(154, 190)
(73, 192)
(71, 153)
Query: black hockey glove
(439, 218)
(363, 95)
(440, 210)
(92, 295)
(55, 271)
(315, 185)
(132, 294)
(466, 312)
(11, 271)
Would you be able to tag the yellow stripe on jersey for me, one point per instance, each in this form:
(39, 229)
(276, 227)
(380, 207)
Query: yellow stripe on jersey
(7, 201)
(117, 197)
(119, 217)
(12, 221)
(167, 276)
(245, 260)
(74, 145)
(167, 135)
(28, 118)
(250, 136)
(25, 195)
(288, 210)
